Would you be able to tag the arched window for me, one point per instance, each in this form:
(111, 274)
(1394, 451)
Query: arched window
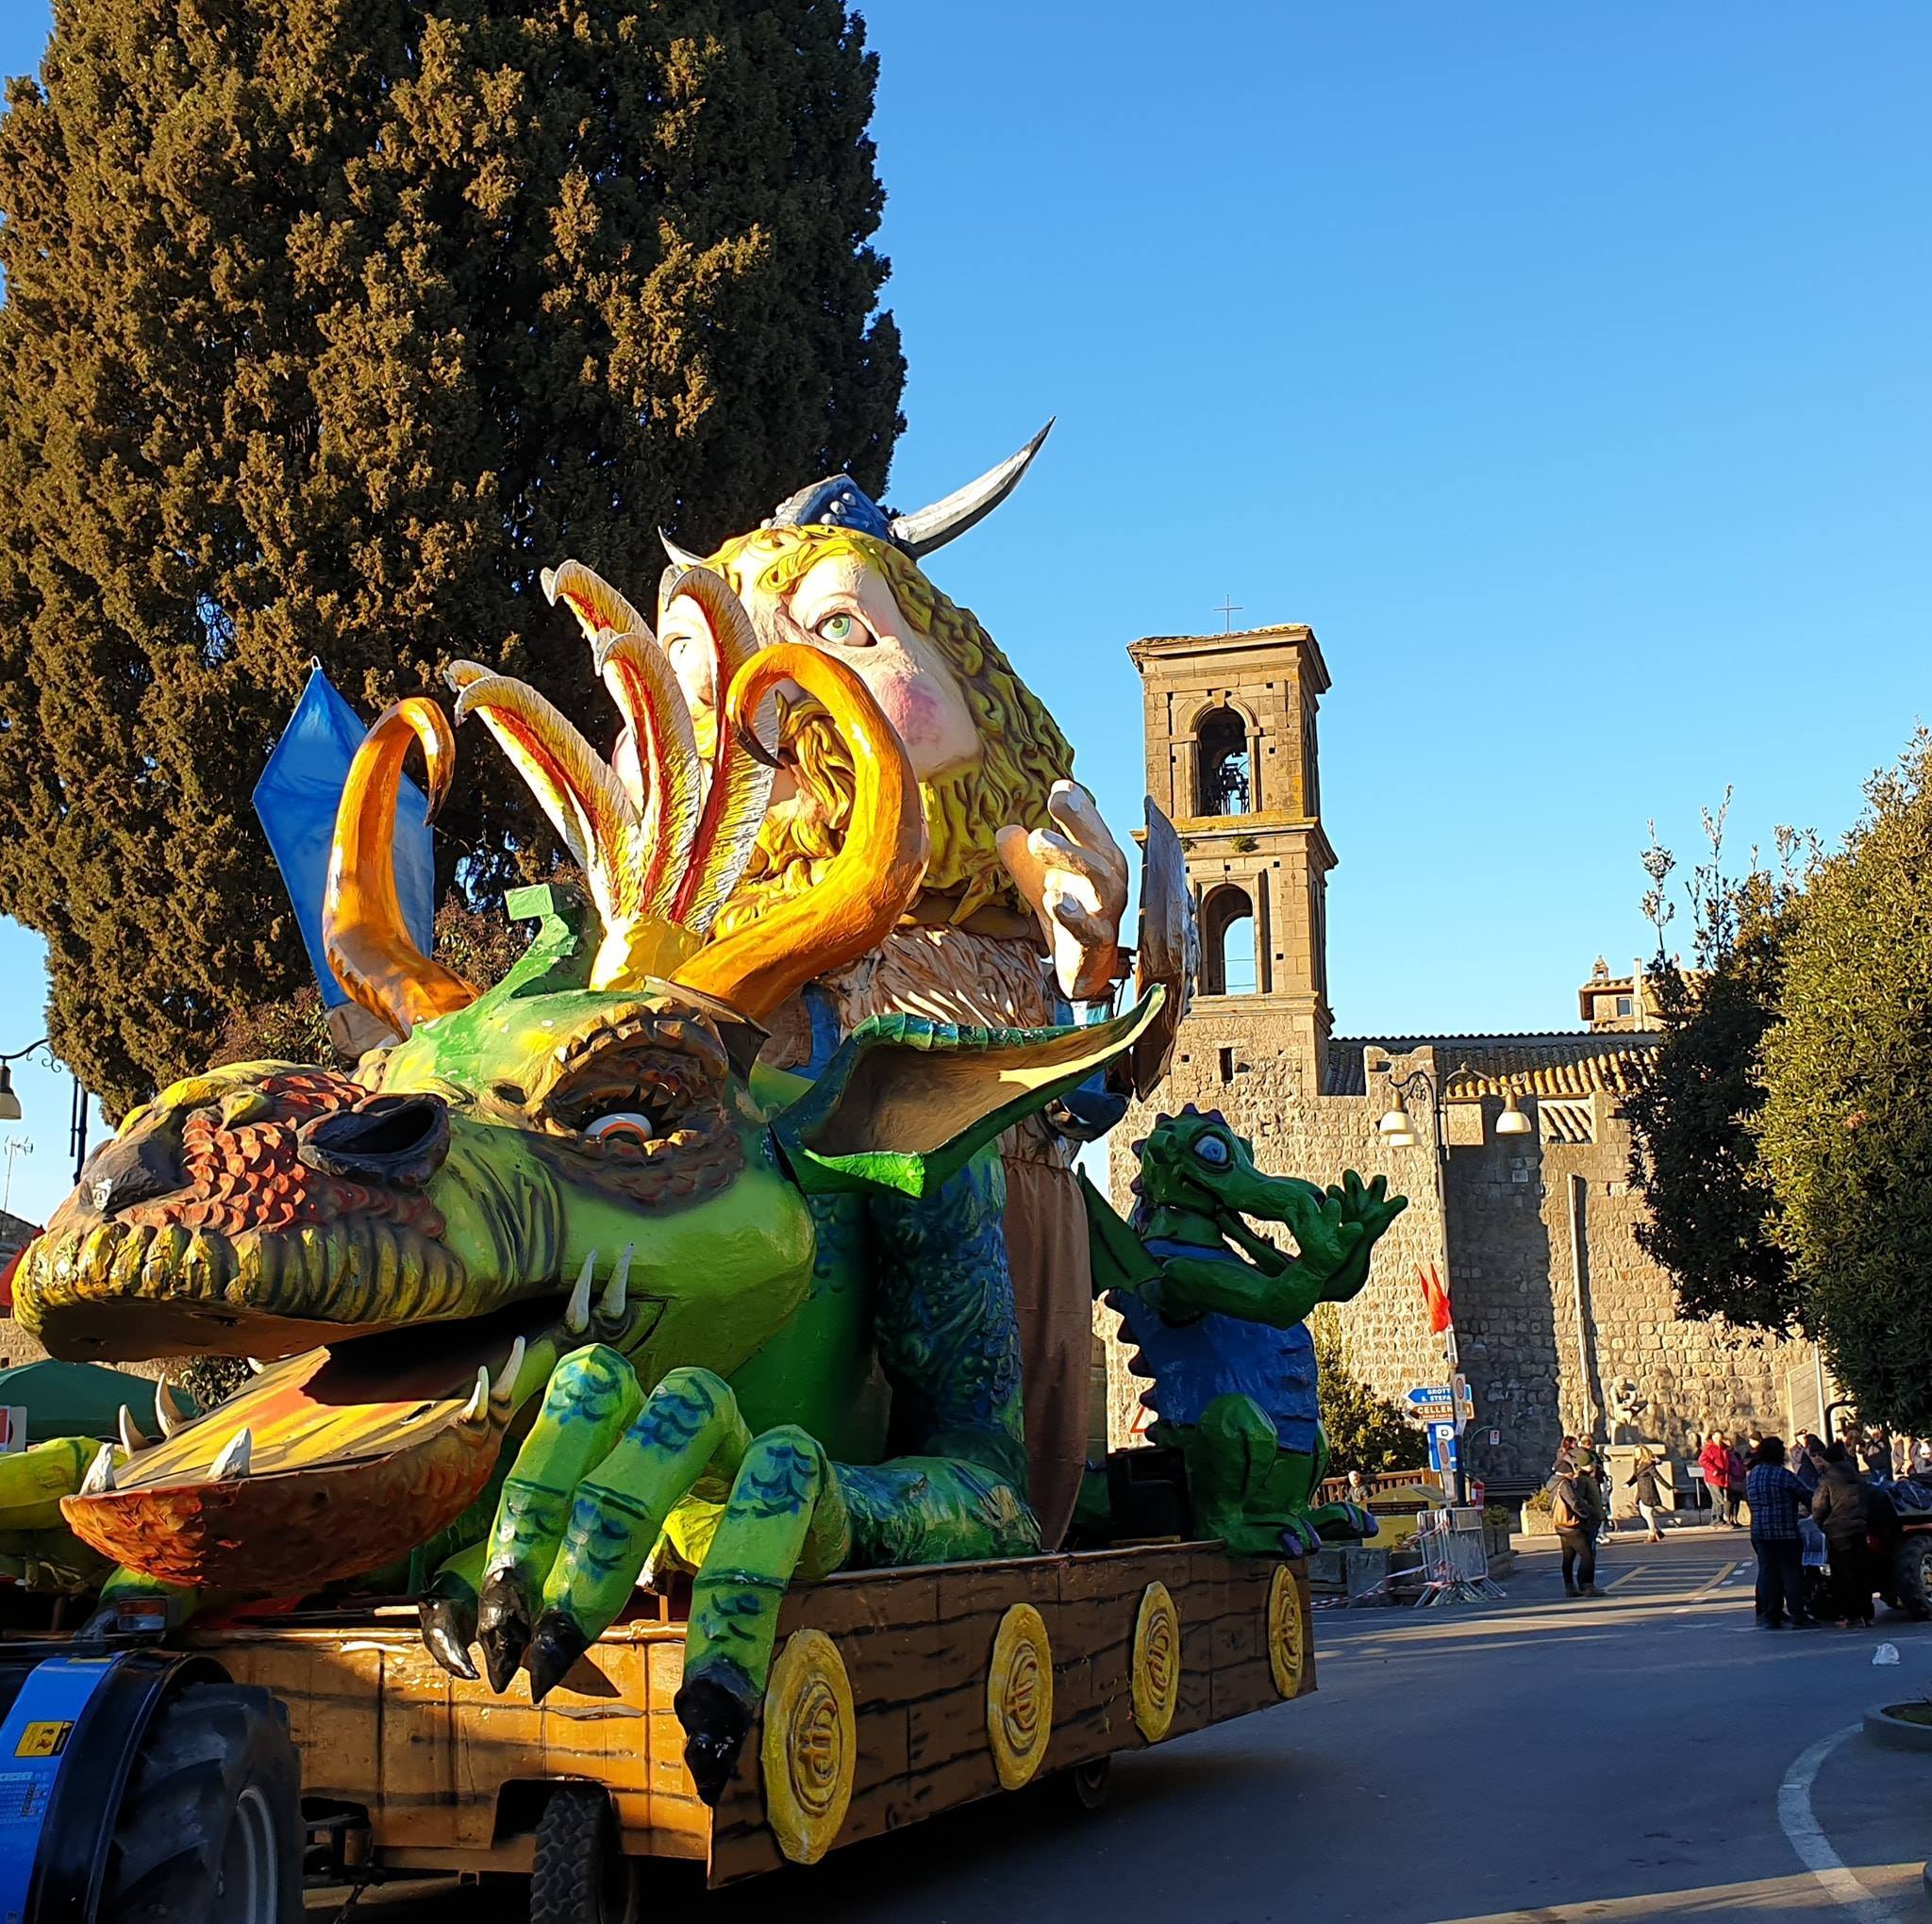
(1227, 942)
(1221, 754)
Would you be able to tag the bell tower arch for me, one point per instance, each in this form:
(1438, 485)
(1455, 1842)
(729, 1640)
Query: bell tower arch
(1233, 757)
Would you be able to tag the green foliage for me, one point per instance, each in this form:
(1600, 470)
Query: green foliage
(1366, 1431)
(1694, 1156)
(209, 1379)
(328, 324)
(1845, 1132)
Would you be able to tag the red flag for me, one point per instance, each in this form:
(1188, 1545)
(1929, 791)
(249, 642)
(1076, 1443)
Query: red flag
(1436, 1297)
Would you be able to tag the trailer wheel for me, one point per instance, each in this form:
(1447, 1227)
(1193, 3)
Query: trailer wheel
(1912, 1570)
(1085, 1785)
(210, 1825)
(580, 1875)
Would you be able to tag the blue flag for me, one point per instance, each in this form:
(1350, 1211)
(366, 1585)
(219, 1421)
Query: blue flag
(296, 799)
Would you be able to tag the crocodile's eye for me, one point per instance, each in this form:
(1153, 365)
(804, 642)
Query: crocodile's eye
(1213, 1150)
(624, 1125)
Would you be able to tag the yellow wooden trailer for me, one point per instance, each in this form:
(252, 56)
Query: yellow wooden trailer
(896, 1693)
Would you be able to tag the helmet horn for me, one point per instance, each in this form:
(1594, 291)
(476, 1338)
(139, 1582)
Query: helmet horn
(932, 527)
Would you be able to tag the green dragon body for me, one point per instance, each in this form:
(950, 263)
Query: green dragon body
(1216, 1314)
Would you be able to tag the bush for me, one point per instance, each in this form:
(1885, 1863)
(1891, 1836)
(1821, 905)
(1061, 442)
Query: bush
(1366, 1431)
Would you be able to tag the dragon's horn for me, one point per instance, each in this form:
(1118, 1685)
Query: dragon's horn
(572, 782)
(369, 946)
(868, 885)
(740, 781)
(639, 676)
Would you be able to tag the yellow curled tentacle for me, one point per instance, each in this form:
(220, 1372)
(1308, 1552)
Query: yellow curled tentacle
(868, 885)
(596, 604)
(572, 782)
(639, 676)
(740, 784)
(368, 943)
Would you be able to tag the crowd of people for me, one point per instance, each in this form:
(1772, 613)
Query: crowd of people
(1829, 1510)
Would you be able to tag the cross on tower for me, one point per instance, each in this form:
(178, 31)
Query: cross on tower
(1228, 610)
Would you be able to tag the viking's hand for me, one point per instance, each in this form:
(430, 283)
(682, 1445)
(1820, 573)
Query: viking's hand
(1074, 878)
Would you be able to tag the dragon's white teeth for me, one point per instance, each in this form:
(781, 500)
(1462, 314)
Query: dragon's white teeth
(577, 1313)
(505, 1385)
(164, 1409)
(131, 1438)
(100, 1473)
(548, 580)
(477, 1409)
(255, 1366)
(618, 1289)
(233, 1461)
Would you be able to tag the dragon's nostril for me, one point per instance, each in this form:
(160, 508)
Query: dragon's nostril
(120, 1175)
(399, 1140)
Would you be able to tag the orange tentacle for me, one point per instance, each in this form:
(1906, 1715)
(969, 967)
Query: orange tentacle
(870, 883)
(369, 946)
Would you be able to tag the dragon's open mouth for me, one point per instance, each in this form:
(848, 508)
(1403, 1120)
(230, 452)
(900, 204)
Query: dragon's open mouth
(345, 1459)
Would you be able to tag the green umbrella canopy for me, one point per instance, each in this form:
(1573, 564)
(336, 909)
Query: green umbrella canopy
(81, 1398)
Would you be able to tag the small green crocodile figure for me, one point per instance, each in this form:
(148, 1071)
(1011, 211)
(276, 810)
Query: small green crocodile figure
(1217, 1315)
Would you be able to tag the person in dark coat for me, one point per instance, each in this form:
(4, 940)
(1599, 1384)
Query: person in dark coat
(1577, 1504)
(1776, 1497)
(1855, 1516)
(1642, 1483)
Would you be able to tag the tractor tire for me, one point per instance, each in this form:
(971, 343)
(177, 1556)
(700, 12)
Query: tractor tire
(210, 1825)
(1085, 1786)
(1912, 1574)
(579, 1875)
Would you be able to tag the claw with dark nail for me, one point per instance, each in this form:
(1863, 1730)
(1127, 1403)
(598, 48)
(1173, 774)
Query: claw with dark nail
(555, 1647)
(503, 1627)
(716, 1711)
(449, 1627)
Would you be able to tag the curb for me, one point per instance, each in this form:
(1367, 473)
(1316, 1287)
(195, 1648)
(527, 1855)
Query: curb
(1896, 1735)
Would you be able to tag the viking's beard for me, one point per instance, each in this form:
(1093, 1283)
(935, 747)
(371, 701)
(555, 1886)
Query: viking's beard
(804, 832)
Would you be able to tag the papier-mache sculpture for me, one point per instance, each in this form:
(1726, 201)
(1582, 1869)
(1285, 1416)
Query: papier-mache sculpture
(567, 1279)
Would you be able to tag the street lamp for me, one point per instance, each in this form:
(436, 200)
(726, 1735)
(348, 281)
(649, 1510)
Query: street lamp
(1512, 1121)
(9, 1101)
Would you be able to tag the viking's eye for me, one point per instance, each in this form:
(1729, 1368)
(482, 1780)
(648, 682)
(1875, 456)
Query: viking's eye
(844, 630)
(622, 1123)
(1213, 1152)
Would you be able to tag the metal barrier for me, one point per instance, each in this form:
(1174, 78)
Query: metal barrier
(1455, 1559)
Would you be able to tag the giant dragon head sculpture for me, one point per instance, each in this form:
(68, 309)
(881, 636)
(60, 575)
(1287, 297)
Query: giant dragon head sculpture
(585, 1149)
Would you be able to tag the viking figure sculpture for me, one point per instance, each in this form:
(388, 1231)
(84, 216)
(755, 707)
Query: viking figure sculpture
(1018, 917)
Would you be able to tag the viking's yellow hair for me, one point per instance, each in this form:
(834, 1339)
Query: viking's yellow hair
(1023, 751)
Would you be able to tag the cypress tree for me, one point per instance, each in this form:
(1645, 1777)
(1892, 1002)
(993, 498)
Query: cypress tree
(327, 325)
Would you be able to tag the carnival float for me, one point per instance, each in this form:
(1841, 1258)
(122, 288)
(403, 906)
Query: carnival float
(673, 1358)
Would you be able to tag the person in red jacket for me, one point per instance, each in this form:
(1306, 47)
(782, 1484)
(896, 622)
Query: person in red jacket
(1716, 1460)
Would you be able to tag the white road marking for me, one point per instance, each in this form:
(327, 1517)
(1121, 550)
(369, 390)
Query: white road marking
(1800, 1824)
(1636, 1570)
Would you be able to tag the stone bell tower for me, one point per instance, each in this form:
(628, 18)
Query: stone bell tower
(1232, 757)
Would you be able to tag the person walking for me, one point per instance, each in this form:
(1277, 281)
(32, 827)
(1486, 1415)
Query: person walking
(1741, 1470)
(1855, 1516)
(1877, 1454)
(1776, 1497)
(1576, 1508)
(1650, 1500)
(1714, 1460)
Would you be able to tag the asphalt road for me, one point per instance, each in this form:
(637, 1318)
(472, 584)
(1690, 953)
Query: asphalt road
(1650, 1755)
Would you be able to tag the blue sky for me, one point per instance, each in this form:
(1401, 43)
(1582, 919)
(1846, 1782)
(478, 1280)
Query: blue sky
(1566, 368)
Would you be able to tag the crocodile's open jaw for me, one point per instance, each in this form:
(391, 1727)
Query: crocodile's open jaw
(333, 1462)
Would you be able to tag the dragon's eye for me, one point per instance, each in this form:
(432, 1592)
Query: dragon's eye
(1212, 1151)
(624, 1125)
(843, 630)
